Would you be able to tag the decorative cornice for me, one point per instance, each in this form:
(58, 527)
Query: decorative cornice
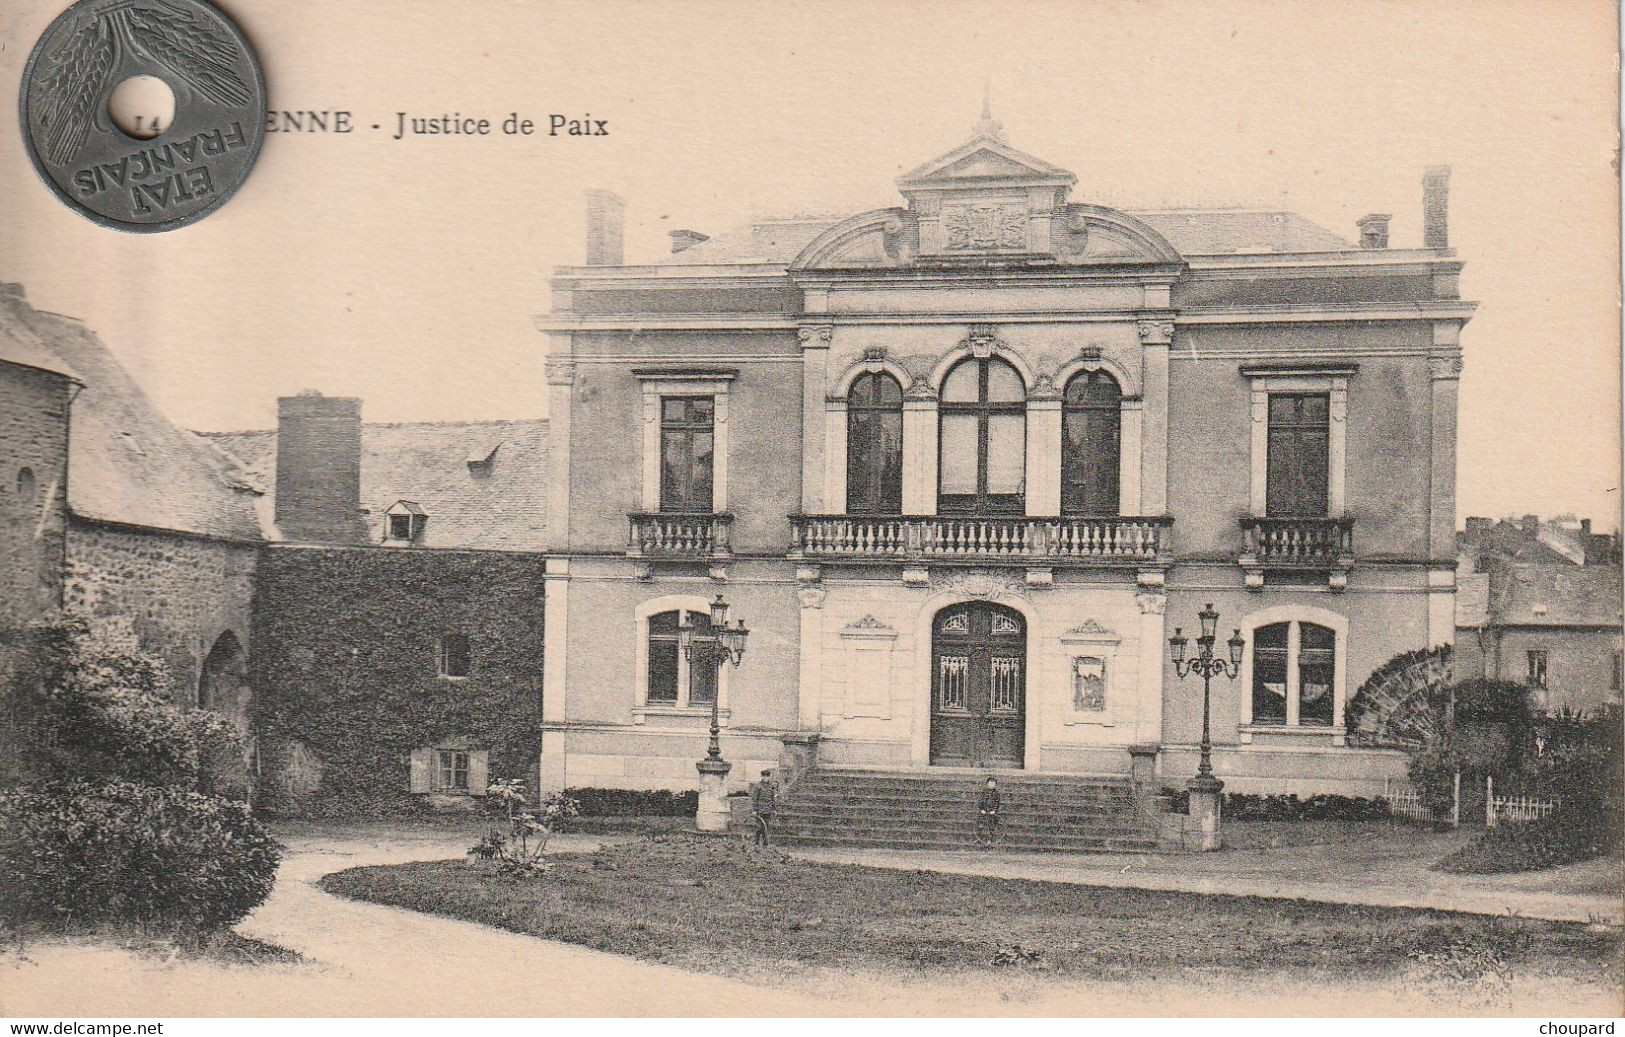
(815, 336)
(1090, 630)
(982, 341)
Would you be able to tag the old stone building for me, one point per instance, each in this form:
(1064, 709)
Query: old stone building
(1540, 603)
(114, 514)
(964, 465)
(364, 602)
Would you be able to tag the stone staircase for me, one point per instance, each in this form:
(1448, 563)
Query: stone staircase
(936, 810)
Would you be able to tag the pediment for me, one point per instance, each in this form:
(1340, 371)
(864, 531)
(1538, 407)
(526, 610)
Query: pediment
(983, 161)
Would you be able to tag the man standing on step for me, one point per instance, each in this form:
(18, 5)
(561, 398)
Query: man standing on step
(987, 813)
(764, 799)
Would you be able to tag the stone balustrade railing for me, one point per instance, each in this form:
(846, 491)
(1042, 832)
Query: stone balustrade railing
(679, 535)
(1019, 539)
(1299, 542)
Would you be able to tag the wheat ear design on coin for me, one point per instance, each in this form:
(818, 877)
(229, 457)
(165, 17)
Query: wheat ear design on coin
(189, 48)
(74, 88)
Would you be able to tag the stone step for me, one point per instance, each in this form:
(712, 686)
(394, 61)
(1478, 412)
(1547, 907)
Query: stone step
(1113, 845)
(949, 812)
(1050, 837)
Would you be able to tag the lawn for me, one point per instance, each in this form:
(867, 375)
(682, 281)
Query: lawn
(710, 905)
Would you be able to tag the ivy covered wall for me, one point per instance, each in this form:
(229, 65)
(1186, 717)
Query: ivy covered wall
(346, 678)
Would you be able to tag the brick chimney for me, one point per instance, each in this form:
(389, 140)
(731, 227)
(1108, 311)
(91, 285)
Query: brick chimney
(682, 240)
(318, 468)
(1374, 229)
(1436, 207)
(605, 215)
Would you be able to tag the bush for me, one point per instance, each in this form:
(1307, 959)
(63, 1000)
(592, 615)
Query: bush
(1565, 836)
(116, 851)
(1243, 806)
(635, 802)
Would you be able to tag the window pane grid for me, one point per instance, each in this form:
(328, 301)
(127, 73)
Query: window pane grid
(687, 436)
(982, 442)
(1294, 675)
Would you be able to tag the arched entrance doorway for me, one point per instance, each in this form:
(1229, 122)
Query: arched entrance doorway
(223, 688)
(978, 686)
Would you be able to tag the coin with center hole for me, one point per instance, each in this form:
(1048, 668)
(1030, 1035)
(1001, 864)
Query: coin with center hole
(151, 177)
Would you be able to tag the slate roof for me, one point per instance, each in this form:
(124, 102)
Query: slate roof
(1192, 232)
(126, 462)
(1507, 541)
(429, 464)
(1551, 595)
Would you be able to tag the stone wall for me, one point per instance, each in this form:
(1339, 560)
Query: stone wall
(346, 674)
(33, 471)
(179, 594)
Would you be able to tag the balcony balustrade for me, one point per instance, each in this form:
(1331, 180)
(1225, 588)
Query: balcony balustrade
(701, 535)
(1019, 540)
(1313, 544)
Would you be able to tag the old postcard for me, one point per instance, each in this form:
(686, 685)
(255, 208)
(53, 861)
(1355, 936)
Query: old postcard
(717, 509)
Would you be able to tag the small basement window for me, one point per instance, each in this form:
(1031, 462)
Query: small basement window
(454, 656)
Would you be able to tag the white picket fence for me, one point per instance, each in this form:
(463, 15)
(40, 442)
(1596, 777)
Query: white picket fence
(1512, 808)
(1405, 801)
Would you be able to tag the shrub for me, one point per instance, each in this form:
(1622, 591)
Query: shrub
(1243, 806)
(519, 847)
(119, 851)
(635, 802)
(1565, 836)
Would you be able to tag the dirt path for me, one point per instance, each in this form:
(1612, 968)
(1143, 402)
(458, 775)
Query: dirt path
(1375, 869)
(366, 960)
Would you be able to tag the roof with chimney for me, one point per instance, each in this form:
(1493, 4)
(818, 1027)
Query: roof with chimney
(127, 463)
(1556, 596)
(777, 240)
(481, 484)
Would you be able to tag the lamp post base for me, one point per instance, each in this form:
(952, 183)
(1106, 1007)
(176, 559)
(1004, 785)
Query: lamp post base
(712, 813)
(1205, 810)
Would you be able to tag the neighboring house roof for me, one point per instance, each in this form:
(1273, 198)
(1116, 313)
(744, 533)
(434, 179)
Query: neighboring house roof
(1508, 541)
(1547, 595)
(1193, 232)
(126, 462)
(481, 484)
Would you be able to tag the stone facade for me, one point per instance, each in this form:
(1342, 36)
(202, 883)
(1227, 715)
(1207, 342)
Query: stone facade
(33, 478)
(1198, 320)
(179, 594)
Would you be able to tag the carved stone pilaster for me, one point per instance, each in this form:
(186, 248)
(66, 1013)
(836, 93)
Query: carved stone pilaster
(810, 586)
(561, 370)
(1151, 602)
(1445, 367)
(1156, 332)
(815, 336)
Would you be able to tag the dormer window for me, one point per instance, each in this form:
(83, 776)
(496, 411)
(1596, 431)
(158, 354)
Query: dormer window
(403, 523)
(481, 459)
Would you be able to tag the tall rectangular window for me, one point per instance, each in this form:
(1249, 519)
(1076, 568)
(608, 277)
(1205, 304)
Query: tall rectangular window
(455, 656)
(1299, 438)
(1537, 667)
(687, 442)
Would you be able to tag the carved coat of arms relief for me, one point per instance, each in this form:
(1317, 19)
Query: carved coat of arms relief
(985, 227)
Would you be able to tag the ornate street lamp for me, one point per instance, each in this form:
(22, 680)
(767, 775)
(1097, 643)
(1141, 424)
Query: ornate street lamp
(709, 647)
(1205, 664)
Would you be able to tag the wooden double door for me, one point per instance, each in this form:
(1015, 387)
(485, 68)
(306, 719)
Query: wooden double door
(978, 686)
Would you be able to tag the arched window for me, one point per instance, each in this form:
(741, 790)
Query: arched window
(671, 682)
(25, 485)
(1294, 674)
(983, 443)
(874, 445)
(1090, 444)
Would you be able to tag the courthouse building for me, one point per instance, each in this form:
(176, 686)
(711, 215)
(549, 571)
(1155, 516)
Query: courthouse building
(964, 464)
